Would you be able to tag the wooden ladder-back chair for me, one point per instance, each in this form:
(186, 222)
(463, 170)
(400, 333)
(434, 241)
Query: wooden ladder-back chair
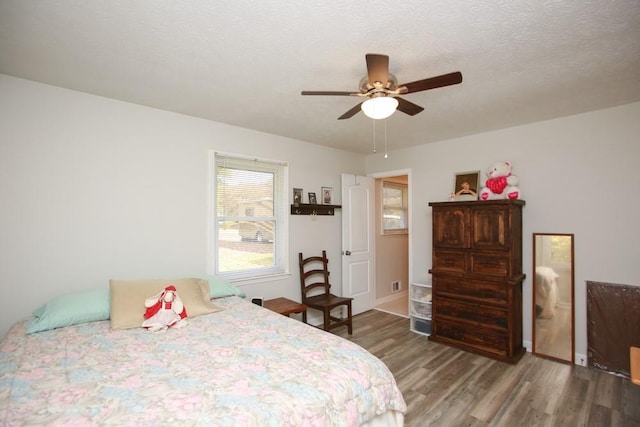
(314, 277)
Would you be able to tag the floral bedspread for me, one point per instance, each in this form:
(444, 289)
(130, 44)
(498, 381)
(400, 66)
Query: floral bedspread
(243, 366)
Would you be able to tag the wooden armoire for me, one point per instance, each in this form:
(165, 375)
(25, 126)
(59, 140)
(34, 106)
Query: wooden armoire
(477, 277)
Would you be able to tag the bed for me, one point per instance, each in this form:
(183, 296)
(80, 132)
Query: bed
(241, 365)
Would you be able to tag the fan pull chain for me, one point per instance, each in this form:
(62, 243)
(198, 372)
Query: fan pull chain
(386, 156)
(374, 136)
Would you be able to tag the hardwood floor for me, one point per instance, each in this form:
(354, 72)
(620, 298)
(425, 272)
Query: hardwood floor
(447, 387)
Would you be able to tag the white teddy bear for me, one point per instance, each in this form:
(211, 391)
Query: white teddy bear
(501, 183)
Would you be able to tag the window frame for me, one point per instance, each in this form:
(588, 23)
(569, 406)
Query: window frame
(404, 188)
(280, 218)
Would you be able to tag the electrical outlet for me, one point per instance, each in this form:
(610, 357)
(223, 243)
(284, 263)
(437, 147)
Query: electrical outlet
(395, 286)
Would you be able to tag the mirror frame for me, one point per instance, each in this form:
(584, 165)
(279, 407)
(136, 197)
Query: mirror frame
(533, 298)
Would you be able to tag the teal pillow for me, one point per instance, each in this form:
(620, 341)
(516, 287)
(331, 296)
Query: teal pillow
(71, 309)
(221, 288)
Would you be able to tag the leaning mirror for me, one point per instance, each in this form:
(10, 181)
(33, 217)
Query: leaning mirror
(553, 324)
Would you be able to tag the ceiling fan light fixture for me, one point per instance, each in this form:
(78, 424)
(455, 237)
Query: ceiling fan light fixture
(379, 107)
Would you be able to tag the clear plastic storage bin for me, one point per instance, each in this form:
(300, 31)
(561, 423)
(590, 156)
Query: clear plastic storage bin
(421, 308)
(421, 293)
(422, 326)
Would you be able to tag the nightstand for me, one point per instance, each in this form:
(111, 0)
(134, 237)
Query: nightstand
(286, 307)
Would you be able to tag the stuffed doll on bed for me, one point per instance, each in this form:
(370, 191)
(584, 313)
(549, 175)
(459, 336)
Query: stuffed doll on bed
(165, 310)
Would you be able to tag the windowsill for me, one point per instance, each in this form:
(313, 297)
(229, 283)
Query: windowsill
(258, 279)
(394, 232)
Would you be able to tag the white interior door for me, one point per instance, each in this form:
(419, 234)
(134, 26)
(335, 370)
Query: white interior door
(358, 280)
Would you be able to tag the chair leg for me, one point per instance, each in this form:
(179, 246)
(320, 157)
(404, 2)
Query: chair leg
(327, 319)
(350, 324)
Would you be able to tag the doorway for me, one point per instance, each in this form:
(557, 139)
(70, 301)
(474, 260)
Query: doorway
(391, 212)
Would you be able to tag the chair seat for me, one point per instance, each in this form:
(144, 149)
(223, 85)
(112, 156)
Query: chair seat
(324, 300)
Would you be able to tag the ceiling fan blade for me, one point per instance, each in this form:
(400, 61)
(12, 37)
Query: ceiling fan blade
(408, 107)
(325, 92)
(377, 68)
(352, 112)
(433, 82)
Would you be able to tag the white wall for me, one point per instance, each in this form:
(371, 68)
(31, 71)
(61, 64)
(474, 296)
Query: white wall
(94, 188)
(578, 174)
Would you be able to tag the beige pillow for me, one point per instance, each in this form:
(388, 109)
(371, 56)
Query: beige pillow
(128, 296)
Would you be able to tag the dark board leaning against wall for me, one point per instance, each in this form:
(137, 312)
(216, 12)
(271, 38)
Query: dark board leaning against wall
(613, 325)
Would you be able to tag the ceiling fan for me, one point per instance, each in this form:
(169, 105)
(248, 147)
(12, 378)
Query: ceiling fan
(381, 87)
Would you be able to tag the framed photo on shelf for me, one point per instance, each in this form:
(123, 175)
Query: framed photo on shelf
(312, 199)
(327, 195)
(466, 185)
(297, 196)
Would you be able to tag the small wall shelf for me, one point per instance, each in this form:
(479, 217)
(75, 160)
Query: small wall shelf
(307, 209)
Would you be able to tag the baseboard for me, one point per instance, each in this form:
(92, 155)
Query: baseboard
(393, 297)
(580, 359)
(392, 312)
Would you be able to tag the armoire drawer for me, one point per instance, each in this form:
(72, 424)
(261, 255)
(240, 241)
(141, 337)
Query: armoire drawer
(450, 261)
(471, 290)
(482, 339)
(472, 314)
(495, 264)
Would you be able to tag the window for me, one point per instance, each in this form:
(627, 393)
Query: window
(249, 225)
(394, 207)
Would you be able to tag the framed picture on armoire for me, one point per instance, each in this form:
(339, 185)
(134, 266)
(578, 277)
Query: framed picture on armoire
(465, 186)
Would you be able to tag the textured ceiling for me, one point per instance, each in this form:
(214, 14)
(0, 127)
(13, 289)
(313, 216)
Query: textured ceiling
(245, 62)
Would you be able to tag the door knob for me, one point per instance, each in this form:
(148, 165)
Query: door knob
(347, 253)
